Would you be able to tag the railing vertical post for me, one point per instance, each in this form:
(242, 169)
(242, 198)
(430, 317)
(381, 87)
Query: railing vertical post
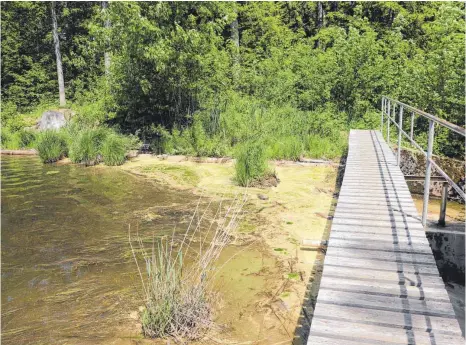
(400, 124)
(390, 106)
(412, 125)
(430, 144)
(443, 205)
(383, 109)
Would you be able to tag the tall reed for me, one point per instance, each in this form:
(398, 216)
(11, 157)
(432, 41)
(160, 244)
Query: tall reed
(179, 272)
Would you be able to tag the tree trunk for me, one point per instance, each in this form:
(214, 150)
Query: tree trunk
(320, 14)
(56, 41)
(105, 5)
(234, 34)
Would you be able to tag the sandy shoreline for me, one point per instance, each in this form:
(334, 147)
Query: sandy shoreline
(281, 217)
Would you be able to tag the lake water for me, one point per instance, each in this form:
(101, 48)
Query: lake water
(67, 269)
(68, 275)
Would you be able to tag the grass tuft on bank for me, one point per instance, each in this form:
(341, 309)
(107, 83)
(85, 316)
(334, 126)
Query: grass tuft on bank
(84, 145)
(177, 280)
(52, 146)
(251, 163)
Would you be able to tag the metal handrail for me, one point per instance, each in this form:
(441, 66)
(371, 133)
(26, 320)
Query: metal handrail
(388, 109)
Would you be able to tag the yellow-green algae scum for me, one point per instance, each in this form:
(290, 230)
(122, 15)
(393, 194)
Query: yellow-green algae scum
(280, 217)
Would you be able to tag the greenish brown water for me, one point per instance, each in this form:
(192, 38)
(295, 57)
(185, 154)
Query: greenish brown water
(68, 275)
(67, 272)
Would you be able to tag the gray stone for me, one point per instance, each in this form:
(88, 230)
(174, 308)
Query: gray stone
(51, 120)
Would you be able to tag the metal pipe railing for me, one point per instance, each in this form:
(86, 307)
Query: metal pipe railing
(389, 106)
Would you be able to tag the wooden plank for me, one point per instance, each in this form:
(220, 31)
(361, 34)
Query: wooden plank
(383, 288)
(381, 256)
(334, 339)
(357, 229)
(381, 223)
(383, 211)
(405, 305)
(389, 216)
(394, 238)
(391, 266)
(390, 319)
(377, 203)
(388, 334)
(406, 278)
(382, 246)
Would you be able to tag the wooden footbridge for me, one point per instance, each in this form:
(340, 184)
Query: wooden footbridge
(380, 282)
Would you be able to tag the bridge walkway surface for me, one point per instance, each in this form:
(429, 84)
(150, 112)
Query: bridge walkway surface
(380, 282)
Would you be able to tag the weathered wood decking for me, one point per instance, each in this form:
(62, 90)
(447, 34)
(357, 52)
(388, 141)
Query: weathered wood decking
(380, 282)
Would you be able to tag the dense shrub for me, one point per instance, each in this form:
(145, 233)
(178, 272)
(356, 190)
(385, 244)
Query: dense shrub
(51, 146)
(114, 149)
(251, 163)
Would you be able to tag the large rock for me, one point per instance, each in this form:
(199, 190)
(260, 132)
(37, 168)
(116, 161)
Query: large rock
(51, 120)
(414, 163)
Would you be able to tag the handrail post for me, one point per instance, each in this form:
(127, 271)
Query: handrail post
(430, 144)
(381, 122)
(412, 125)
(388, 121)
(443, 205)
(400, 124)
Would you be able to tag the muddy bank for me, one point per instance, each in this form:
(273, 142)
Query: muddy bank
(31, 152)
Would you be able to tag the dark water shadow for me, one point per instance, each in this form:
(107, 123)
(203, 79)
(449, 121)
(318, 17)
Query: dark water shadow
(303, 325)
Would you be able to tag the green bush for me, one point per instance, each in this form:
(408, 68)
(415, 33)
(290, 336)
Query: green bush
(86, 146)
(161, 141)
(181, 142)
(251, 163)
(51, 146)
(114, 149)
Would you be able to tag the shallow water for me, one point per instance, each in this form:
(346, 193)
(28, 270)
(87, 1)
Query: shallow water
(67, 271)
(68, 275)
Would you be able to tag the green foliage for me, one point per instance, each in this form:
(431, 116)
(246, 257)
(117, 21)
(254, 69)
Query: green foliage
(51, 146)
(177, 67)
(251, 163)
(26, 138)
(325, 147)
(86, 145)
(114, 149)
(290, 148)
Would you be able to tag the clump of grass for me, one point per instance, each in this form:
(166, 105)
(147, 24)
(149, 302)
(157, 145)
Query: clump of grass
(114, 149)
(86, 147)
(178, 296)
(251, 163)
(51, 146)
